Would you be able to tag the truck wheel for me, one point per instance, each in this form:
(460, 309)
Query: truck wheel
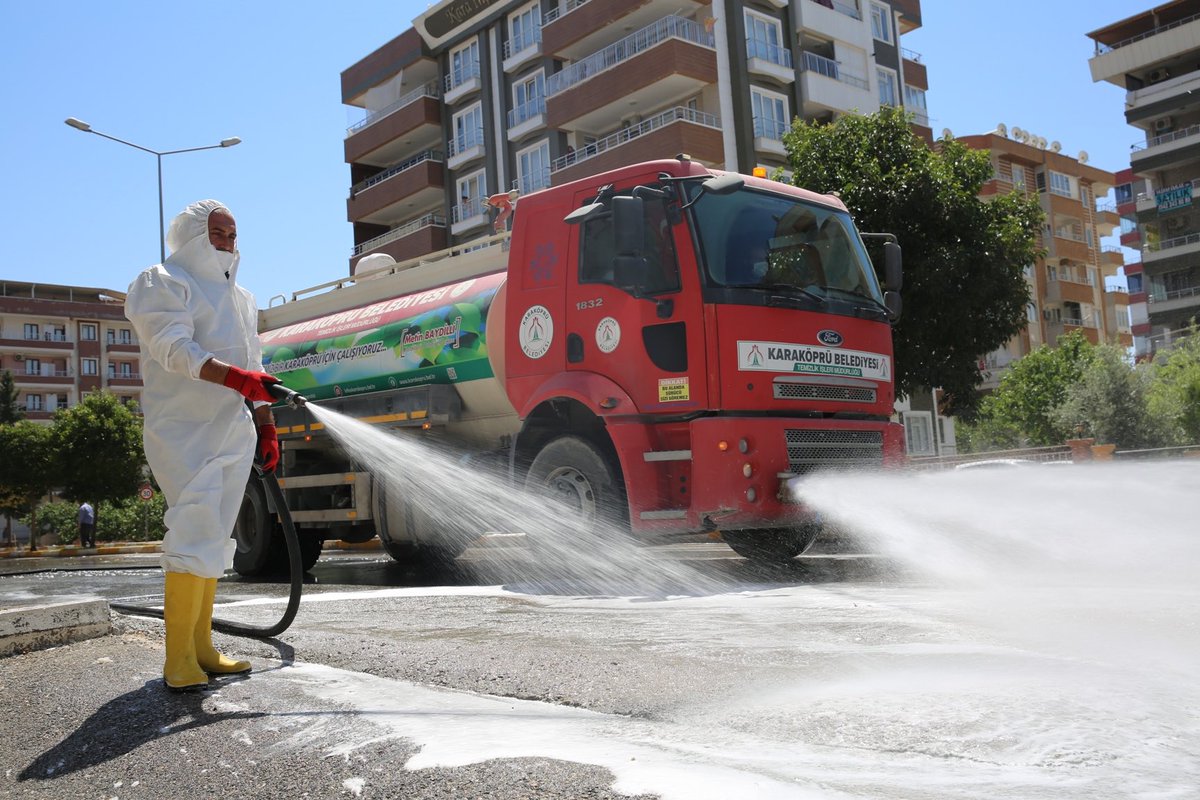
(412, 537)
(573, 471)
(261, 545)
(771, 546)
(254, 532)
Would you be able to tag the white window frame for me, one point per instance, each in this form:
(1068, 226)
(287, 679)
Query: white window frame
(126, 336)
(1061, 184)
(881, 23)
(462, 69)
(1018, 176)
(87, 332)
(759, 99)
(476, 192)
(89, 366)
(920, 421)
(534, 12)
(774, 41)
(524, 161)
(33, 366)
(32, 331)
(521, 95)
(112, 369)
(914, 97)
(891, 79)
(475, 110)
(33, 402)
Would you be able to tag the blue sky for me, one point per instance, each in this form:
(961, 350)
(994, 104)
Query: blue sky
(78, 209)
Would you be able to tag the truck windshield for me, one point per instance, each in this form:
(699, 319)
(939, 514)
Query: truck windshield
(752, 239)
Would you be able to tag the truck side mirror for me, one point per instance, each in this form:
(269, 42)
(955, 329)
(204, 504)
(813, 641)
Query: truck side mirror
(629, 225)
(629, 272)
(893, 267)
(894, 305)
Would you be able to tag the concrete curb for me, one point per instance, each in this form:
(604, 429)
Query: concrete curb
(37, 627)
(122, 548)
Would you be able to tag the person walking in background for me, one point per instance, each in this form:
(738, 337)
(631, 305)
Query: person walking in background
(87, 525)
(198, 337)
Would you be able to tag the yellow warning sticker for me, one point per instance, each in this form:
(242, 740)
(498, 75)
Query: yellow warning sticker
(671, 389)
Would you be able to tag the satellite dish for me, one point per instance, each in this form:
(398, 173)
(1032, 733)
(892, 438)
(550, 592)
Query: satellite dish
(1002, 130)
(1083, 156)
(1041, 143)
(1055, 147)
(1018, 133)
(947, 133)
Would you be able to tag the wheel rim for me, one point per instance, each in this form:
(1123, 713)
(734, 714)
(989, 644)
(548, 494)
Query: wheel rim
(569, 486)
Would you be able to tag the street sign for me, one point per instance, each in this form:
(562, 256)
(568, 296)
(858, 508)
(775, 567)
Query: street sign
(146, 493)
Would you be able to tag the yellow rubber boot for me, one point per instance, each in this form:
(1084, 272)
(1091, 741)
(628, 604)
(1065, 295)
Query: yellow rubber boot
(181, 608)
(206, 655)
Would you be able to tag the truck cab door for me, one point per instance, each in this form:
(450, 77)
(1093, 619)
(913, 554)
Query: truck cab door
(649, 338)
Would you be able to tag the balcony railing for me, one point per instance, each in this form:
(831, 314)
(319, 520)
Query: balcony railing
(406, 229)
(1167, 244)
(396, 169)
(526, 111)
(1158, 295)
(811, 62)
(460, 144)
(1067, 233)
(1108, 48)
(911, 55)
(458, 77)
(847, 7)
(532, 182)
(757, 48)
(52, 373)
(126, 376)
(1107, 205)
(1173, 136)
(466, 210)
(428, 90)
(671, 27)
(679, 113)
(767, 128)
(561, 10)
(528, 38)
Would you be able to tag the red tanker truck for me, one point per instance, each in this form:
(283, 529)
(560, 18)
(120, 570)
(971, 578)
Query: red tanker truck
(663, 344)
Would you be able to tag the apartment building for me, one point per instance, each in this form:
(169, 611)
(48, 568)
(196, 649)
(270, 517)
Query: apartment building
(486, 96)
(1130, 187)
(60, 342)
(1155, 56)
(1067, 285)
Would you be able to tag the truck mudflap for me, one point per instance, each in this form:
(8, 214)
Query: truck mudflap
(739, 469)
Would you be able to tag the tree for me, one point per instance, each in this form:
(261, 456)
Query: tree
(964, 289)
(1174, 393)
(1029, 396)
(26, 471)
(1110, 401)
(98, 449)
(10, 411)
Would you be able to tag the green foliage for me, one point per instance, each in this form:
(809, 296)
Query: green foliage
(1175, 394)
(10, 411)
(26, 468)
(1030, 394)
(98, 446)
(964, 290)
(1110, 402)
(126, 520)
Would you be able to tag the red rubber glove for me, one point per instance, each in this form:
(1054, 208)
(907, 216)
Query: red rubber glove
(268, 447)
(250, 385)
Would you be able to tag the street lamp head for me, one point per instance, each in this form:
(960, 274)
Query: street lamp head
(230, 142)
(79, 124)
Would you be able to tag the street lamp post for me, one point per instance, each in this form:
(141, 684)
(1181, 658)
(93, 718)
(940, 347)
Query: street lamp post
(162, 240)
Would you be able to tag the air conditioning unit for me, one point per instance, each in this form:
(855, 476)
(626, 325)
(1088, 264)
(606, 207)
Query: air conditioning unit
(18, 357)
(1164, 124)
(1156, 75)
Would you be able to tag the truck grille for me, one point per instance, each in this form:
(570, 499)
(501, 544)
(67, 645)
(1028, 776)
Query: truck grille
(808, 391)
(810, 450)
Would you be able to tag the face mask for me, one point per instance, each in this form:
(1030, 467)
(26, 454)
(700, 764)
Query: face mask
(225, 261)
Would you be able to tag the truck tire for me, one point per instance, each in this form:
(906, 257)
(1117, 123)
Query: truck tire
(261, 546)
(412, 537)
(574, 472)
(771, 546)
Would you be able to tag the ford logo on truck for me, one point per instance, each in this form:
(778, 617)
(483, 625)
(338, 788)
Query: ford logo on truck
(831, 338)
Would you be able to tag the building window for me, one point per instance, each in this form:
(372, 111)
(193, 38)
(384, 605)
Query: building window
(918, 433)
(887, 87)
(1060, 184)
(33, 366)
(533, 168)
(126, 336)
(763, 37)
(33, 402)
(1031, 312)
(87, 332)
(468, 129)
(472, 191)
(1091, 276)
(914, 101)
(881, 23)
(525, 28)
(770, 114)
(1134, 282)
(126, 370)
(1018, 176)
(464, 64)
(529, 98)
(61, 401)
(1091, 239)
(1124, 193)
(1051, 272)
(32, 331)
(111, 336)
(89, 366)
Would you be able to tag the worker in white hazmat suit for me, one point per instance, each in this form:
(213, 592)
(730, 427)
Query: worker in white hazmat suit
(198, 336)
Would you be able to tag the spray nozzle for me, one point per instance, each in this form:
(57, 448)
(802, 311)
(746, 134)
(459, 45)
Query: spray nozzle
(293, 399)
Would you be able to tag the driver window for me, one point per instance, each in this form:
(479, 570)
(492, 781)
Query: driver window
(660, 268)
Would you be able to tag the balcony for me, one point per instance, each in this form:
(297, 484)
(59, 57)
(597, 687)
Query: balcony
(826, 86)
(520, 49)
(1152, 43)
(526, 118)
(461, 82)
(1057, 328)
(1069, 290)
(465, 148)
(466, 215)
(1112, 256)
(50, 377)
(1162, 301)
(400, 190)
(121, 347)
(415, 238)
(832, 20)
(44, 342)
(653, 67)
(577, 28)
(1166, 149)
(769, 61)
(1171, 248)
(768, 135)
(414, 122)
(528, 184)
(676, 130)
(915, 73)
(126, 379)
